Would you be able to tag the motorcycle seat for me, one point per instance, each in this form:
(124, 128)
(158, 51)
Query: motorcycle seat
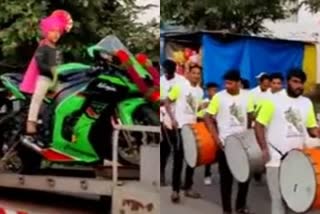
(64, 89)
(15, 78)
(72, 72)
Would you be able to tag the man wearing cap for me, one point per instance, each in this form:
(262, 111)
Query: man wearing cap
(262, 90)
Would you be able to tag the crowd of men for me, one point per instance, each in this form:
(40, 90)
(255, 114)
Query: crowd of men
(262, 108)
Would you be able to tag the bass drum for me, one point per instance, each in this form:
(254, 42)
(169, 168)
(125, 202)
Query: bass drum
(199, 147)
(300, 180)
(244, 156)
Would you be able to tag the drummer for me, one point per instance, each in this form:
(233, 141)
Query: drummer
(187, 98)
(231, 109)
(288, 117)
(167, 81)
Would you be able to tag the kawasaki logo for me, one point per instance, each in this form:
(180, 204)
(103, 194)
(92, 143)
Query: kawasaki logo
(106, 87)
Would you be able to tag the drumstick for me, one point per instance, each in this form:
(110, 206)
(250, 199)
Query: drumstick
(178, 137)
(167, 136)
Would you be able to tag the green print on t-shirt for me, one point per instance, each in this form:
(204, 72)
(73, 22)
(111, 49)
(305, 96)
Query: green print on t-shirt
(236, 112)
(293, 117)
(191, 101)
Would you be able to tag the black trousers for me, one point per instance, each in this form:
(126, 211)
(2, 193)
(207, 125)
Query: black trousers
(207, 171)
(226, 181)
(258, 177)
(168, 137)
(178, 159)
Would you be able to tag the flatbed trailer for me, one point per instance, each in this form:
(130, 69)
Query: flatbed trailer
(140, 195)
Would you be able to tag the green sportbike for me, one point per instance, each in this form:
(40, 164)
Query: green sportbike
(76, 121)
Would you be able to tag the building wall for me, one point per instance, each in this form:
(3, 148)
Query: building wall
(151, 13)
(300, 26)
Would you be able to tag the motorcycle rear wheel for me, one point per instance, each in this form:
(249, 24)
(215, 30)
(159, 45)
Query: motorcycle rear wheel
(20, 158)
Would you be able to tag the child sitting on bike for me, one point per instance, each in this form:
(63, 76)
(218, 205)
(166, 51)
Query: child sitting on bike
(30, 77)
(47, 57)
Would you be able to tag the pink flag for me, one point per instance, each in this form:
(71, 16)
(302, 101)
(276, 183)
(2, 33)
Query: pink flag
(28, 84)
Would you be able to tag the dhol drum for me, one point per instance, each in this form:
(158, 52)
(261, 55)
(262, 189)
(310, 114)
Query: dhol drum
(199, 146)
(300, 180)
(244, 156)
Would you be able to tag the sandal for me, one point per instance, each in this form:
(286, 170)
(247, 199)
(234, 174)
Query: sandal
(175, 197)
(244, 211)
(192, 194)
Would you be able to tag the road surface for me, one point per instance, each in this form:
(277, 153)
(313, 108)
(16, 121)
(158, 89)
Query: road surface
(258, 198)
(48, 203)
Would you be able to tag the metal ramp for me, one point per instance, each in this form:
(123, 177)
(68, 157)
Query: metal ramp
(100, 185)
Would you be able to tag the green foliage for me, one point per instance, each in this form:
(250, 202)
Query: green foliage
(239, 16)
(93, 20)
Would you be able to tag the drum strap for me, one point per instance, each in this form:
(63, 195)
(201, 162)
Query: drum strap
(277, 150)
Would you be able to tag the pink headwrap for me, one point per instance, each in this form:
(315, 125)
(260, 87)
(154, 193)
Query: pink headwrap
(64, 17)
(31, 75)
(51, 23)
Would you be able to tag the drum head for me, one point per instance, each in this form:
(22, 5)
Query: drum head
(189, 146)
(298, 183)
(237, 159)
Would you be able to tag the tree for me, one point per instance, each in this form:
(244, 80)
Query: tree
(93, 20)
(238, 16)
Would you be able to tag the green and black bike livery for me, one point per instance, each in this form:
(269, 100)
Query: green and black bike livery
(77, 120)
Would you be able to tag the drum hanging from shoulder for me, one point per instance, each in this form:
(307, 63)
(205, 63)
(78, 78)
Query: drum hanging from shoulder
(244, 156)
(198, 144)
(300, 180)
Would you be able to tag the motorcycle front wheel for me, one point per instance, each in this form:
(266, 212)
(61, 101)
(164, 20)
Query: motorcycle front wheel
(130, 142)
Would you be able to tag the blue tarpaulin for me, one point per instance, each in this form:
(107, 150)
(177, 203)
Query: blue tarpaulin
(250, 55)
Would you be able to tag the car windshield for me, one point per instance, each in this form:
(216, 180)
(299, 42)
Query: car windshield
(111, 44)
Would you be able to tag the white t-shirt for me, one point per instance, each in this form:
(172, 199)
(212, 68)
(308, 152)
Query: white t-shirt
(165, 86)
(270, 95)
(286, 120)
(206, 100)
(259, 95)
(187, 100)
(231, 112)
(283, 92)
